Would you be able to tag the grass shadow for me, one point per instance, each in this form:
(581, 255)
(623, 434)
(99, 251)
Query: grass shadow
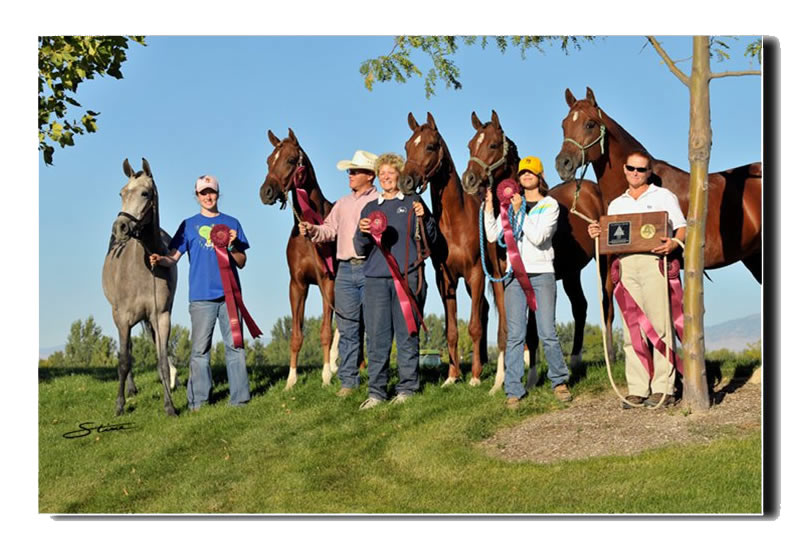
(102, 374)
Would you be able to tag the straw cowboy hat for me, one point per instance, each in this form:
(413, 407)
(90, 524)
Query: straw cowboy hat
(363, 160)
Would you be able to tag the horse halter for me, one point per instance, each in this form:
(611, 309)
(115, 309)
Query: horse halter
(600, 138)
(138, 222)
(491, 168)
(296, 180)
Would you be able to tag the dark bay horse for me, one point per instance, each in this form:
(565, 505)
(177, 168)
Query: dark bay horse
(137, 293)
(306, 266)
(493, 158)
(733, 225)
(457, 255)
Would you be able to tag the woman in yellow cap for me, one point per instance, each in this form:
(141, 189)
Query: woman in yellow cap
(535, 243)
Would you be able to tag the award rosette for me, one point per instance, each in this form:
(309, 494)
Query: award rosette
(505, 190)
(378, 223)
(637, 322)
(220, 235)
(307, 214)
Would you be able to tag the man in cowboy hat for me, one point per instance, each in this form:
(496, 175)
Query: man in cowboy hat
(341, 224)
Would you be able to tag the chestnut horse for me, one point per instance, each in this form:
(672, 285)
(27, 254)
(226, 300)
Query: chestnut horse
(493, 158)
(733, 225)
(306, 266)
(457, 255)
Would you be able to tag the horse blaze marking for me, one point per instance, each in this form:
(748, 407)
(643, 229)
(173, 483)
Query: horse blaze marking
(480, 138)
(416, 141)
(277, 155)
(575, 116)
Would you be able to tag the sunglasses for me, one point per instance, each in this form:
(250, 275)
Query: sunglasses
(356, 171)
(639, 169)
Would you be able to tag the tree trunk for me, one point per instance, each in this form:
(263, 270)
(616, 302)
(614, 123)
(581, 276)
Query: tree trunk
(695, 389)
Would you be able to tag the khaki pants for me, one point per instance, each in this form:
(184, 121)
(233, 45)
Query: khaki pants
(642, 278)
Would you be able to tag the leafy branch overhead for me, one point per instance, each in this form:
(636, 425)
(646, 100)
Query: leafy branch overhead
(398, 66)
(64, 63)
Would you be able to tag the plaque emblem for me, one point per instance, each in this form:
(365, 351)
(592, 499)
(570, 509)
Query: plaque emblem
(648, 231)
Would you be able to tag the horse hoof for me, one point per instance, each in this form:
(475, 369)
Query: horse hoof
(171, 411)
(119, 411)
(450, 381)
(475, 382)
(494, 389)
(326, 375)
(575, 360)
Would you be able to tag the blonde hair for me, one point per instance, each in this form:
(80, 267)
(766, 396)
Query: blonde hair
(392, 159)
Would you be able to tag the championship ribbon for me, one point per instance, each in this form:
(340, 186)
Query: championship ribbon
(220, 235)
(637, 321)
(505, 190)
(378, 223)
(309, 215)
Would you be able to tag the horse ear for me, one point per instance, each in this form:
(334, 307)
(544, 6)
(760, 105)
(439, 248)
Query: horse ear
(496, 119)
(292, 136)
(570, 98)
(272, 139)
(126, 169)
(476, 122)
(412, 122)
(431, 122)
(146, 168)
(590, 96)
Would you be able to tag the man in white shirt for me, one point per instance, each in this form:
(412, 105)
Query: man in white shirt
(641, 276)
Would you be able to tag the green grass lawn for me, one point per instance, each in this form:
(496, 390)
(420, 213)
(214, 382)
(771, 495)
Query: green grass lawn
(307, 451)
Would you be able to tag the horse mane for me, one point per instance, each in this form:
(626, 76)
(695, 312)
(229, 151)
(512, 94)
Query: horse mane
(311, 175)
(447, 161)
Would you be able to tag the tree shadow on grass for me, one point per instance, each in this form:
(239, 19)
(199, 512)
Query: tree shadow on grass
(102, 374)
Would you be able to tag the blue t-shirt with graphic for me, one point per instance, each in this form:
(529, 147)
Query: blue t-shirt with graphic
(194, 236)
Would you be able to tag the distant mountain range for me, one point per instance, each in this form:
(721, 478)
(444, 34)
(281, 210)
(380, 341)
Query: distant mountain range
(733, 335)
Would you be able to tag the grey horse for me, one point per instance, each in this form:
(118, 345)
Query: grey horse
(137, 293)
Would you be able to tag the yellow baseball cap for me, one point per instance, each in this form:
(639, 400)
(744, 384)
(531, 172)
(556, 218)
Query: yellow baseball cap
(533, 164)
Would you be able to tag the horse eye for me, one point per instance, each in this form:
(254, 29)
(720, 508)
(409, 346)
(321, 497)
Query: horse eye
(494, 146)
(431, 147)
(293, 160)
(145, 194)
(590, 124)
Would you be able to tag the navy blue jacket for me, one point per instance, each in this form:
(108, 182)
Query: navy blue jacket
(395, 236)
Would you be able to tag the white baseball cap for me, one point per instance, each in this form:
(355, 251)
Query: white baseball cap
(206, 182)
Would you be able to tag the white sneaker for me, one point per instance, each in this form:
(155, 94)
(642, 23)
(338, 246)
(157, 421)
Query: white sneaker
(401, 398)
(369, 403)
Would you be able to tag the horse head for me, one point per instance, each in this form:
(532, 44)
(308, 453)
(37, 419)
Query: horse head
(489, 160)
(584, 135)
(139, 205)
(425, 153)
(282, 167)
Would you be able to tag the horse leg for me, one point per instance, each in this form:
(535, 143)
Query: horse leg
(335, 352)
(478, 319)
(161, 325)
(298, 291)
(502, 335)
(448, 293)
(173, 372)
(124, 364)
(753, 264)
(608, 306)
(574, 291)
(325, 336)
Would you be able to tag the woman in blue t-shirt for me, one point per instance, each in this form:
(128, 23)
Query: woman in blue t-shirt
(206, 294)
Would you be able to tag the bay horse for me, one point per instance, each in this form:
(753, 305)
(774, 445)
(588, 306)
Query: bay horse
(306, 266)
(733, 225)
(137, 293)
(494, 157)
(457, 255)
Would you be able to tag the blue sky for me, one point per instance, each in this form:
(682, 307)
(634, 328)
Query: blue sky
(194, 105)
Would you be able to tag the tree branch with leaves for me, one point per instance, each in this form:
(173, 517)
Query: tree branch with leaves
(64, 63)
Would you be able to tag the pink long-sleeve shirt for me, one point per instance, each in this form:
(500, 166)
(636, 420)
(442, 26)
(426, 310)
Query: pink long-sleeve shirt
(342, 222)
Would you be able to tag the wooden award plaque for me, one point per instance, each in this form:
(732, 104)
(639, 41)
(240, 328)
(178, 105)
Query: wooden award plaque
(633, 233)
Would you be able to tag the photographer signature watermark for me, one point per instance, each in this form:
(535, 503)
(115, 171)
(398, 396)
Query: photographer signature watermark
(86, 428)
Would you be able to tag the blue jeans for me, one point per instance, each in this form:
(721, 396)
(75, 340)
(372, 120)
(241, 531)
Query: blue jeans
(383, 318)
(349, 294)
(204, 315)
(544, 287)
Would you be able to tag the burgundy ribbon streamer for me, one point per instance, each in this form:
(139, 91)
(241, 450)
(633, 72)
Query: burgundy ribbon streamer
(505, 190)
(309, 215)
(408, 304)
(220, 235)
(636, 319)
